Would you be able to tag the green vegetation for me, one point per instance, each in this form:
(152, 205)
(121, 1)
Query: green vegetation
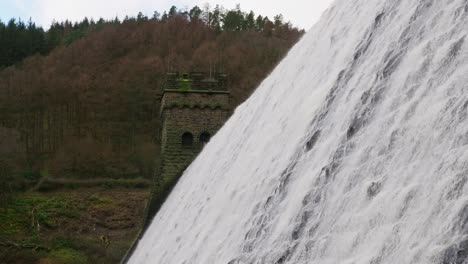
(85, 226)
(185, 84)
(50, 184)
(68, 255)
(19, 40)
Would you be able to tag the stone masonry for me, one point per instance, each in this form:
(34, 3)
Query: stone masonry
(189, 118)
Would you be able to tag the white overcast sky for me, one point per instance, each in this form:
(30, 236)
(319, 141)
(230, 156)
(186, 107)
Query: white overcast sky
(302, 13)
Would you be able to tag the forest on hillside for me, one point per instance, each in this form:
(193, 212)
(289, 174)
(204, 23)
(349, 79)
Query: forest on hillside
(81, 100)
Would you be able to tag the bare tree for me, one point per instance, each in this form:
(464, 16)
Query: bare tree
(9, 161)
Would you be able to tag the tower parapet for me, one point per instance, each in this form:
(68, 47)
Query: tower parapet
(196, 81)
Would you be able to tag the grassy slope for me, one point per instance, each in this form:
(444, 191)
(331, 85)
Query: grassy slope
(73, 226)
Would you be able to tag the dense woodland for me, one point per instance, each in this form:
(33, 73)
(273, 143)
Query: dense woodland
(81, 100)
(19, 40)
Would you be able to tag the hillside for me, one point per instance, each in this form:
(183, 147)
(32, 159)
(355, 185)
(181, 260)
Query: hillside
(94, 225)
(90, 107)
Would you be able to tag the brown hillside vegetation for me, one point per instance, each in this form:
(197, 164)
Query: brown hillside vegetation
(90, 109)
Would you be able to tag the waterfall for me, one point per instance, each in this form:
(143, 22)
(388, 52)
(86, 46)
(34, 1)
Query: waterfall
(353, 150)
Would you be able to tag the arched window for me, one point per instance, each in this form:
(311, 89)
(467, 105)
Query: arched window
(204, 138)
(187, 139)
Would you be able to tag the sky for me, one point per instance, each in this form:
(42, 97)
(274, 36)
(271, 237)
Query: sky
(301, 13)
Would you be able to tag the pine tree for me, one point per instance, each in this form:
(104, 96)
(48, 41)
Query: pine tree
(250, 21)
(156, 15)
(195, 13)
(172, 12)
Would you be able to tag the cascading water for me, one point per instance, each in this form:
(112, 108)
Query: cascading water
(354, 150)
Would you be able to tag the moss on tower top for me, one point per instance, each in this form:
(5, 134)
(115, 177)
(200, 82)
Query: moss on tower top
(196, 81)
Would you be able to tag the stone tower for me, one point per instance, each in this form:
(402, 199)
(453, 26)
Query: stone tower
(193, 107)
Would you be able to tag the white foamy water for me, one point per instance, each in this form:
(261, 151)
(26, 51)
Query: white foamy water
(354, 150)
